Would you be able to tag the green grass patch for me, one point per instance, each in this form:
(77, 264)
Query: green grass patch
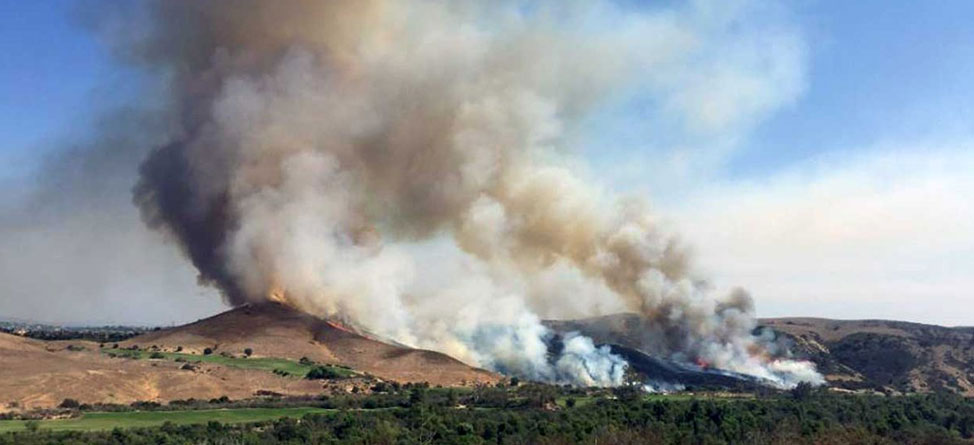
(134, 419)
(280, 366)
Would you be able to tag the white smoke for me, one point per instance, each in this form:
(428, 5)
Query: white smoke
(329, 147)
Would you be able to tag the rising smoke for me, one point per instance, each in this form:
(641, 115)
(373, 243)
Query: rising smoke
(404, 166)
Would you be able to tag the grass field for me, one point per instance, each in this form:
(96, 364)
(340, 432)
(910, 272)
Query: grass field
(107, 421)
(262, 363)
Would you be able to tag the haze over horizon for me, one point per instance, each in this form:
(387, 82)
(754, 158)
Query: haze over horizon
(820, 160)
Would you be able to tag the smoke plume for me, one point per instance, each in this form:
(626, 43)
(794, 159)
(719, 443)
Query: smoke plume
(405, 166)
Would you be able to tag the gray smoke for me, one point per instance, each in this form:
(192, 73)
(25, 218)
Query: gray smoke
(402, 165)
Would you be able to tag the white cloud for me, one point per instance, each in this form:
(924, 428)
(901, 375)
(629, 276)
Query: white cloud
(884, 233)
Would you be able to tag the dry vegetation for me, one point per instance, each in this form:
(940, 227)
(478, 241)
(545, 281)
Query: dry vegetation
(39, 374)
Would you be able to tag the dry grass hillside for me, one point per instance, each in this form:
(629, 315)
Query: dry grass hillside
(891, 356)
(40, 374)
(274, 330)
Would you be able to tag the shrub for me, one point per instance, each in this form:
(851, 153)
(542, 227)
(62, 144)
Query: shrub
(306, 361)
(248, 352)
(322, 373)
(157, 355)
(207, 351)
(802, 391)
(69, 404)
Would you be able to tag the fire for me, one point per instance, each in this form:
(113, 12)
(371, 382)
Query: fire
(339, 326)
(277, 295)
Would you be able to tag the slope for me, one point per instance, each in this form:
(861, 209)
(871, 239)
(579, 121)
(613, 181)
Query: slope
(275, 330)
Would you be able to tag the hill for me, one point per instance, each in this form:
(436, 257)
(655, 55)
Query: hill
(633, 338)
(890, 356)
(275, 330)
(40, 374)
(887, 356)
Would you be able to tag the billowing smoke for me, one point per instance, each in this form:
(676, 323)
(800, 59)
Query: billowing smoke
(405, 166)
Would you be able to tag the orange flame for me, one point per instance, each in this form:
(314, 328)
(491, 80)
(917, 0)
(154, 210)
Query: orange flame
(278, 295)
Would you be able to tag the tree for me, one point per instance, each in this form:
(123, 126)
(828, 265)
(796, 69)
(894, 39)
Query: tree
(69, 404)
(417, 396)
(207, 351)
(248, 352)
(322, 373)
(802, 391)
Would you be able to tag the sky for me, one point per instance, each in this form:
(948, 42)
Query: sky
(819, 154)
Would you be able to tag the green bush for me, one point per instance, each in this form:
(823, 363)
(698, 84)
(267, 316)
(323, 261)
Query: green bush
(69, 404)
(322, 373)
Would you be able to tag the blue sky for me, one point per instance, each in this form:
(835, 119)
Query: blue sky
(877, 69)
(49, 70)
(880, 109)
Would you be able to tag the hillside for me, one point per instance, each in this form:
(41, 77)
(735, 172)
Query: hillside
(889, 356)
(43, 373)
(634, 338)
(884, 355)
(274, 330)
(40, 374)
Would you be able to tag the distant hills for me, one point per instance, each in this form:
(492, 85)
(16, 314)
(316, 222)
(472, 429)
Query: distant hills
(859, 355)
(888, 356)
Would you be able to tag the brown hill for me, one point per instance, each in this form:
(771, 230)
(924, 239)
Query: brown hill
(884, 355)
(40, 374)
(275, 330)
